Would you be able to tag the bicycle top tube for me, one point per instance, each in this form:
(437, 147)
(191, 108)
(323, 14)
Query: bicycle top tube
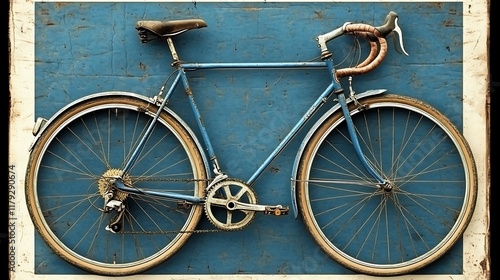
(244, 65)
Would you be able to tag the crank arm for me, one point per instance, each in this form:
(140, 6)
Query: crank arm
(276, 210)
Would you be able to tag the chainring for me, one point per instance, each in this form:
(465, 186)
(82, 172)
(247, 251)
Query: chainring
(220, 196)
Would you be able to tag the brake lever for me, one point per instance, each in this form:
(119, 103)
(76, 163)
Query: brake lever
(398, 39)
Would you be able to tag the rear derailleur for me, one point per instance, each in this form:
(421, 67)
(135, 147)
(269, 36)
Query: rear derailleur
(115, 224)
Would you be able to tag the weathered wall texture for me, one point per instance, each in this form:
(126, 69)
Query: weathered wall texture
(65, 50)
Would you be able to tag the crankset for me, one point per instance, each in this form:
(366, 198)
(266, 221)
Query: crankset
(231, 205)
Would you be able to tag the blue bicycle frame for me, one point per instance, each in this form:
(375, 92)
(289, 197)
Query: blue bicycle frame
(181, 76)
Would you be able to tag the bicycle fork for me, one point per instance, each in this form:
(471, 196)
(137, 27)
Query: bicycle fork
(382, 183)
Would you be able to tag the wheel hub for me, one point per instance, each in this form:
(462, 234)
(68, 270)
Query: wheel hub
(106, 186)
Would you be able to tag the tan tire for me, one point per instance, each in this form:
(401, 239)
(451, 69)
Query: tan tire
(66, 181)
(407, 224)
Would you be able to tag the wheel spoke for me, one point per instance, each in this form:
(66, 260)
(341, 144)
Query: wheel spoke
(375, 229)
(70, 176)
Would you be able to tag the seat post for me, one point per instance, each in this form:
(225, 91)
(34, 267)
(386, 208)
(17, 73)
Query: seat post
(172, 50)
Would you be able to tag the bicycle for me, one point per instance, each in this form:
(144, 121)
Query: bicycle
(384, 183)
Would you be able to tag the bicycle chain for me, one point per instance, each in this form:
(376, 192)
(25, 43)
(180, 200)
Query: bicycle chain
(174, 231)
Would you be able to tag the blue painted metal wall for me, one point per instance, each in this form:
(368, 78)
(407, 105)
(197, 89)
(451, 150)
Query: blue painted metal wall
(83, 48)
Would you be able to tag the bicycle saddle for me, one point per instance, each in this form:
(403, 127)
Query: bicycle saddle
(154, 29)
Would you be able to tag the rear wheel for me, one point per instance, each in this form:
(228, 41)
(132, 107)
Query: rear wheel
(70, 173)
(407, 224)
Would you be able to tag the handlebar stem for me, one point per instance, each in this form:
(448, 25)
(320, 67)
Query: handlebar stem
(325, 38)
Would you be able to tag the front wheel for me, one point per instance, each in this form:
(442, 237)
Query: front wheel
(407, 224)
(70, 174)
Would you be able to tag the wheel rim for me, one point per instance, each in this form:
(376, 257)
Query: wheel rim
(70, 218)
(384, 218)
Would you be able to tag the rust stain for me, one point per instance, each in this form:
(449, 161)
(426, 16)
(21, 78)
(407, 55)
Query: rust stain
(14, 115)
(59, 5)
(484, 266)
(437, 4)
(319, 14)
(274, 169)
(44, 12)
(448, 23)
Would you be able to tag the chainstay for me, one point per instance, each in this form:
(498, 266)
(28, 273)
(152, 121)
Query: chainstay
(175, 231)
(170, 180)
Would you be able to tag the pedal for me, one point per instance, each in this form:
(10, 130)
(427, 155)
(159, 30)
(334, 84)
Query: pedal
(277, 210)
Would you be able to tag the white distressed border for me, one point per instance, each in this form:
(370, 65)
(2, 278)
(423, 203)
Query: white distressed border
(476, 130)
(150, 1)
